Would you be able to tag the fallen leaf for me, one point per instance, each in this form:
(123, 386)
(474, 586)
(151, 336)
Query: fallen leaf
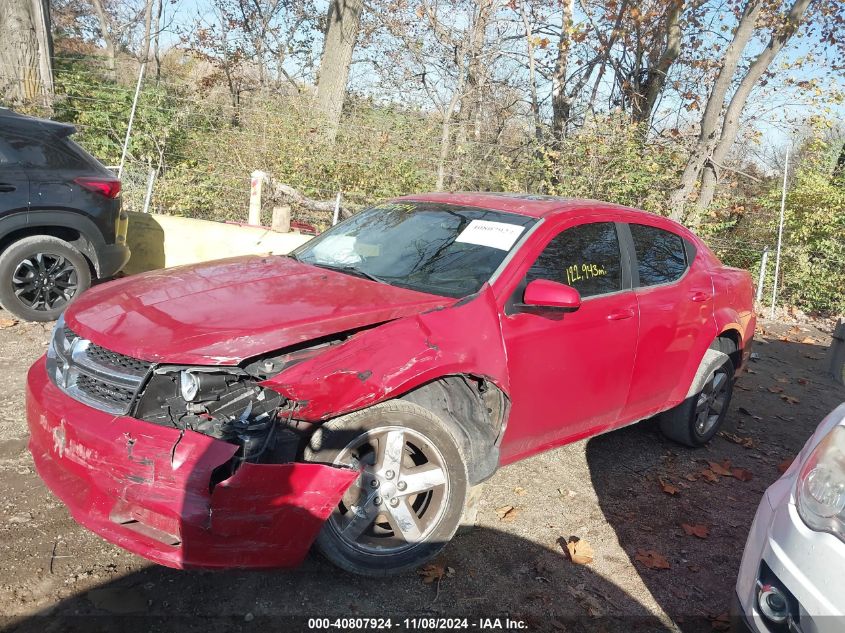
(431, 573)
(519, 490)
(783, 380)
(652, 559)
(668, 488)
(776, 389)
(721, 622)
(7, 322)
(745, 411)
(701, 531)
(722, 469)
(742, 474)
(802, 381)
(790, 399)
(692, 476)
(507, 513)
(580, 551)
(709, 475)
(795, 330)
(785, 464)
(809, 340)
(745, 442)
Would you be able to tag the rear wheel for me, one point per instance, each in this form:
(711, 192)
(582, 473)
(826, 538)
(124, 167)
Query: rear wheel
(40, 275)
(697, 419)
(408, 501)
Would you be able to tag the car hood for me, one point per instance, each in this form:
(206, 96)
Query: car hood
(222, 312)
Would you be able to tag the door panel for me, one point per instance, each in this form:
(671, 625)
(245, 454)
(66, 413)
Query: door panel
(676, 310)
(570, 372)
(14, 184)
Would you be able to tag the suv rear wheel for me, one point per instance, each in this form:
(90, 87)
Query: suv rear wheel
(40, 275)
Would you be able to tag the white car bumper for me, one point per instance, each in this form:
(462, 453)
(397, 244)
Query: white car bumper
(808, 566)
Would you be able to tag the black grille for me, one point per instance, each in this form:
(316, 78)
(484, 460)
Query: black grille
(107, 357)
(103, 391)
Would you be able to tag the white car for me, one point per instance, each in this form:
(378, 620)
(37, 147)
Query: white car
(792, 576)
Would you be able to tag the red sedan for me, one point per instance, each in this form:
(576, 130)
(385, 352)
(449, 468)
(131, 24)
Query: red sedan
(228, 414)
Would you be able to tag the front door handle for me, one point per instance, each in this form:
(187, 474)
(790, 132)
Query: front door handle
(618, 315)
(6, 188)
(699, 297)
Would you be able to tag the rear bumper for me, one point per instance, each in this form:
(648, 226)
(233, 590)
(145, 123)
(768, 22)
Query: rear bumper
(111, 258)
(146, 488)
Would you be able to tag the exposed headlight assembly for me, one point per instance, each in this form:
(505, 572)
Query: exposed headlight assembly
(821, 485)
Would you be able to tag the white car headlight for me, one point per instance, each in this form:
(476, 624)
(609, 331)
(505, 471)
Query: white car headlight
(821, 485)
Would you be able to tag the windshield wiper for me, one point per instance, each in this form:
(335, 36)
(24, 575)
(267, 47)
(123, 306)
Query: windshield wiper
(350, 270)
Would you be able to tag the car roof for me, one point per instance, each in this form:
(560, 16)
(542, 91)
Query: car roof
(11, 119)
(532, 205)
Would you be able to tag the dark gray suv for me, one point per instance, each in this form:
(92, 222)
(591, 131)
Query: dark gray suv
(60, 218)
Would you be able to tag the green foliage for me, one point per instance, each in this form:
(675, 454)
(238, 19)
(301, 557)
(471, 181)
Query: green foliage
(813, 260)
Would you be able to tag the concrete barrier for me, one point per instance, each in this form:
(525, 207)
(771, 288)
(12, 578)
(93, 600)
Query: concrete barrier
(162, 241)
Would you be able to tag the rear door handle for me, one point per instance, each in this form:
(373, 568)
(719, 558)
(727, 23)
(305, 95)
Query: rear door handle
(699, 297)
(618, 315)
(6, 188)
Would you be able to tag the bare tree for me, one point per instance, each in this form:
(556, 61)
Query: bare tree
(718, 126)
(342, 24)
(26, 50)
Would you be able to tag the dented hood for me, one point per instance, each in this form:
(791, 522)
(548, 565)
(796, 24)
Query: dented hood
(225, 311)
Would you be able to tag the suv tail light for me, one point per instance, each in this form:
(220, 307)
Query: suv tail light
(108, 187)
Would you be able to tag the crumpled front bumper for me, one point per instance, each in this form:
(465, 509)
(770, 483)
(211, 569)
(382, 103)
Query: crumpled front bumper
(146, 487)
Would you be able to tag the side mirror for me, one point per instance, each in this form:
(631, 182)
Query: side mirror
(542, 293)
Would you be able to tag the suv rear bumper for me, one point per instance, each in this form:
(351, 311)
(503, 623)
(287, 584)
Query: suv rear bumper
(147, 488)
(111, 258)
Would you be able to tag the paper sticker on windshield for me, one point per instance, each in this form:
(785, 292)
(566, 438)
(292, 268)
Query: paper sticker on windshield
(493, 234)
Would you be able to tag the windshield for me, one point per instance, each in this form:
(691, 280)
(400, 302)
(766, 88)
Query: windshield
(441, 249)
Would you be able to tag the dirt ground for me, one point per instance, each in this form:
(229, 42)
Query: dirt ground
(625, 493)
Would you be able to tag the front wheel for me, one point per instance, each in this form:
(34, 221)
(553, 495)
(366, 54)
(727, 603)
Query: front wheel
(408, 501)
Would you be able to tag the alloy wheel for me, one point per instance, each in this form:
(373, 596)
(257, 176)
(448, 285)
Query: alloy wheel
(45, 281)
(400, 496)
(711, 402)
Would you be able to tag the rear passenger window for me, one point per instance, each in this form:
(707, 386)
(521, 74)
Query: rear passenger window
(661, 257)
(585, 257)
(46, 151)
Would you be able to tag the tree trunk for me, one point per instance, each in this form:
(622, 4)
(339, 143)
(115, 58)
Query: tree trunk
(157, 35)
(148, 25)
(532, 74)
(342, 24)
(712, 112)
(26, 50)
(561, 104)
(106, 34)
(730, 127)
(656, 79)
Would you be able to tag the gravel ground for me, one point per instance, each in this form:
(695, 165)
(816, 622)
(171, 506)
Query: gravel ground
(613, 492)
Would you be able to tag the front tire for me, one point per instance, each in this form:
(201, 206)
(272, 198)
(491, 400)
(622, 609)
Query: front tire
(40, 275)
(408, 501)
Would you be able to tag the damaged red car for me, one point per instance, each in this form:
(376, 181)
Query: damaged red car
(231, 413)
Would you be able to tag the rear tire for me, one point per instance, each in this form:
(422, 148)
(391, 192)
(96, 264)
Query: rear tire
(40, 275)
(698, 418)
(408, 502)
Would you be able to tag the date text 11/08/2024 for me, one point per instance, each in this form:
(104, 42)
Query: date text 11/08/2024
(418, 624)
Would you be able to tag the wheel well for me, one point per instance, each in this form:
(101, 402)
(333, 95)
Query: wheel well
(476, 410)
(734, 348)
(72, 236)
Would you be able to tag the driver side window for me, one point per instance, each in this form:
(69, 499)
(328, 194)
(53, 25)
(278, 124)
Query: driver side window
(586, 257)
